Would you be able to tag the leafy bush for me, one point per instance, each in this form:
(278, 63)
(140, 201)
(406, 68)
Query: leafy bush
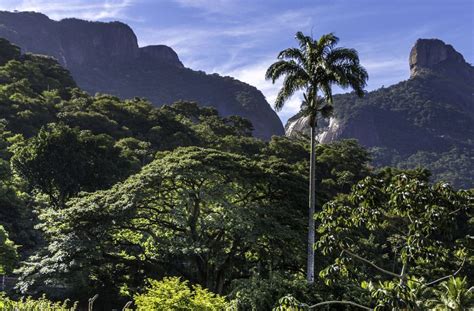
(8, 253)
(173, 294)
(453, 294)
(260, 293)
(29, 304)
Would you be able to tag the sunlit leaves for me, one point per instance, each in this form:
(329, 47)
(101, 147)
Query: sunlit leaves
(403, 225)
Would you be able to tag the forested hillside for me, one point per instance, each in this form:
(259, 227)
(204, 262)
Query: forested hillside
(178, 207)
(106, 58)
(425, 121)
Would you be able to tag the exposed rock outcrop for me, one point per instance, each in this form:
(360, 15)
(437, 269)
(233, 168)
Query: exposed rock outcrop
(160, 53)
(430, 53)
(105, 58)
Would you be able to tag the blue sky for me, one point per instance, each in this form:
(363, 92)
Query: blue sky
(241, 38)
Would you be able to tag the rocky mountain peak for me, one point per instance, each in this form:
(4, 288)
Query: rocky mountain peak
(432, 54)
(85, 42)
(161, 53)
(75, 42)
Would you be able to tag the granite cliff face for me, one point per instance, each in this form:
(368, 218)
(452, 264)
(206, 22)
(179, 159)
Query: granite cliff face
(105, 58)
(432, 113)
(433, 55)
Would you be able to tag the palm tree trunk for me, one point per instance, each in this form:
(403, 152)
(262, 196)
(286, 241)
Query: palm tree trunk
(312, 205)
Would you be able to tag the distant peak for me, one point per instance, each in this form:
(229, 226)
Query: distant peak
(429, 53)
(161, 53)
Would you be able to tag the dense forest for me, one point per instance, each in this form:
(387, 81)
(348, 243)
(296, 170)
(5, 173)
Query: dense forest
(178, 208)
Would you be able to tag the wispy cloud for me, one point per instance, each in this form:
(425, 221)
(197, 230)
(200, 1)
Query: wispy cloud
(230, 39)
(57, 9)
(210, 6)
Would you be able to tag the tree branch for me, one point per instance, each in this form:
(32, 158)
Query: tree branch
(372, 264)
(344, 302)
(447, 276)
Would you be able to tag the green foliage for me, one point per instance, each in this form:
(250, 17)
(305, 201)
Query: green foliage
(8, 51)
(292, 150)
(174, 294)
(138, 192)
(289, 303)
(8, 253)
(262, 293)
(30, 304)
(402, 229)
(220, 213)
(136, 151)
(61, 161)
(453, 294)
(339, 166)
(454, 166)
(15, 217)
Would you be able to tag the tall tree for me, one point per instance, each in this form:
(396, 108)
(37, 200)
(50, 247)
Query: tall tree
(62, 161)
(316, 66)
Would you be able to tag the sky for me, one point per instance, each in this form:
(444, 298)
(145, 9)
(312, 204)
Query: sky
(241, 38)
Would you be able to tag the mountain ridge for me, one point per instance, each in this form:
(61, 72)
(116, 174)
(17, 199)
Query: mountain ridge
(106, 58)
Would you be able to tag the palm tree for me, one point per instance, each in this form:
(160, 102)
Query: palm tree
(316, 66)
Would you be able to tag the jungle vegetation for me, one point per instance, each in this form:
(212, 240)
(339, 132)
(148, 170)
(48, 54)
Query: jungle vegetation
(178, 208)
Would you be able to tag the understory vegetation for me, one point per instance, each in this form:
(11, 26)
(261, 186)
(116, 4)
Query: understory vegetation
(178, 208)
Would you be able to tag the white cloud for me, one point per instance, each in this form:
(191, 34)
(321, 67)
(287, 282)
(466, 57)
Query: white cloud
(58, 9)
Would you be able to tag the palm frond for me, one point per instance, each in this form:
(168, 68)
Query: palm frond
(293, 54)
(326, 43)
(327, 91)
(280, 68)
(346, 71)
(351, 75)
(338, 56)
(291, 84)
(303, 40)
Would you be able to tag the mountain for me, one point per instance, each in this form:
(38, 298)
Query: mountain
(106, 58)
(427, 120)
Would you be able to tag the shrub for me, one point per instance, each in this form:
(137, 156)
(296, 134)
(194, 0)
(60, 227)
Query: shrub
(29, 304)
(8, 253)
(173, 294)
(262, 293)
